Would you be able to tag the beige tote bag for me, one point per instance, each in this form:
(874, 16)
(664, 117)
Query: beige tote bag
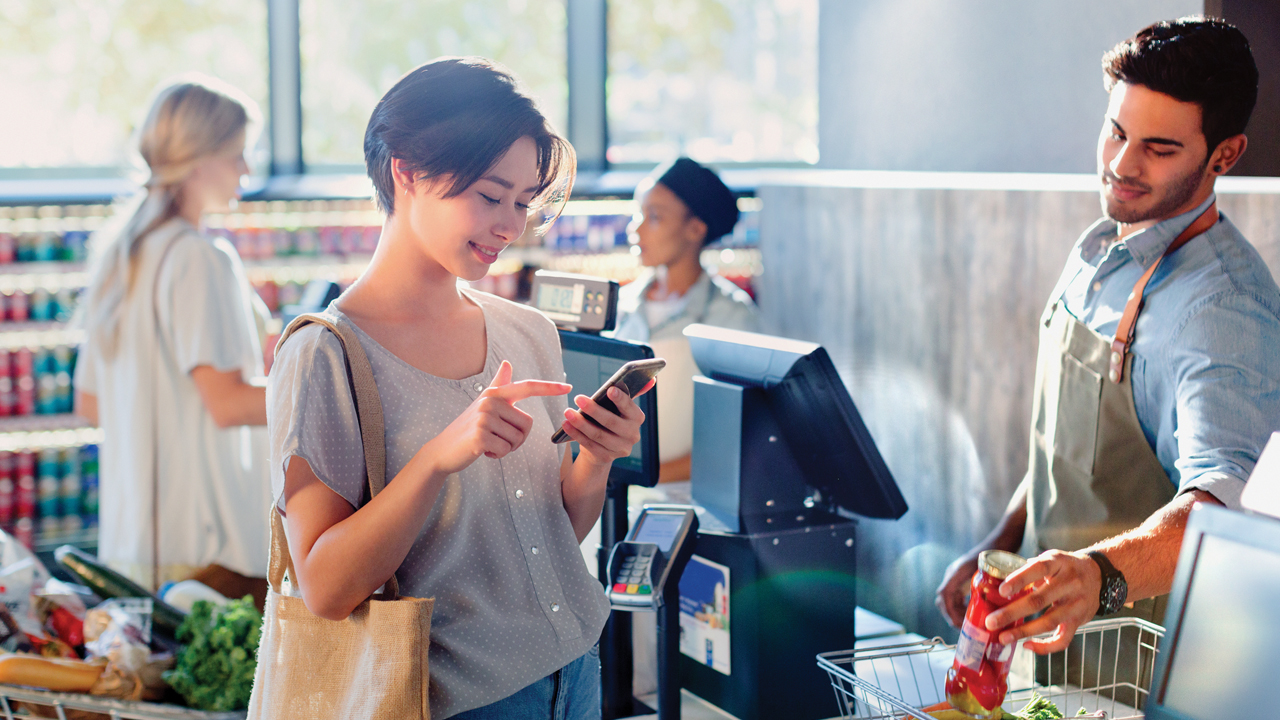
(373, 664)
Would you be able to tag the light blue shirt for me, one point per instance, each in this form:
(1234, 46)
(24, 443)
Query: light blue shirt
(1206, 366)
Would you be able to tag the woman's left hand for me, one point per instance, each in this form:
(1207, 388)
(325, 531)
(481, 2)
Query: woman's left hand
(616, 434)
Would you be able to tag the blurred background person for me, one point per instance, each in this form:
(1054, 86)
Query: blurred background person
(683, 208)
(172, 365)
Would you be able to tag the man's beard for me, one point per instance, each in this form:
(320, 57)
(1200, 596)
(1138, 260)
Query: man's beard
(1177, 195)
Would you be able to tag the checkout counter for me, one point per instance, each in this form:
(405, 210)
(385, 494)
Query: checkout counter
(761, 573)
(781, 465)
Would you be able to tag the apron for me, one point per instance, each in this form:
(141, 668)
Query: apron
(1092, 473)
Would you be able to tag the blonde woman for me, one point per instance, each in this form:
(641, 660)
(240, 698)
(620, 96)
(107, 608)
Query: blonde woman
(172, 367)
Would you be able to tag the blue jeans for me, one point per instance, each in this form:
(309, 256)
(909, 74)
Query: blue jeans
(570, 693)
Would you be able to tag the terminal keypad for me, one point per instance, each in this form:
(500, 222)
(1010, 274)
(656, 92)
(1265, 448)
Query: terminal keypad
(633, 576)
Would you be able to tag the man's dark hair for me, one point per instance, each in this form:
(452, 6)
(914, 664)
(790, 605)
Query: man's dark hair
(1193, 59)
(453, 119)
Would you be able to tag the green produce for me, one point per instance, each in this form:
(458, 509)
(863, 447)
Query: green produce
(110, 584)
(1039, 708)
(219, 655)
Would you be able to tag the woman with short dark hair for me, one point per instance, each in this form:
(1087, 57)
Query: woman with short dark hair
(481, 510)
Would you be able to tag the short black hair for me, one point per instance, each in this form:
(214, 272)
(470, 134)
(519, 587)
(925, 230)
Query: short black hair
(1193, 59)
(454, 118)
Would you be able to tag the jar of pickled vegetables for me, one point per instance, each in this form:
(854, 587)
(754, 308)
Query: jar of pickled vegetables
(979, 678)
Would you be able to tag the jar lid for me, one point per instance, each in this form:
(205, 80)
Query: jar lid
(999, 564)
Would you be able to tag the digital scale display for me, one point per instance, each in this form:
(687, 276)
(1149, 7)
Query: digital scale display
(576, 302)
(660, 529)
(560, 298)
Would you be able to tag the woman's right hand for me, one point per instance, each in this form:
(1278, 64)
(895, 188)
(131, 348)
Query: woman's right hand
(492, 425)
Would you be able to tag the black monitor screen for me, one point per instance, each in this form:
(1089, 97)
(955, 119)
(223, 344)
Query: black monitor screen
(812, 407)
(589, 361)
(659, 528)
(1223, 648)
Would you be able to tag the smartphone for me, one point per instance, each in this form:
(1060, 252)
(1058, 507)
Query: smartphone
(630, 379)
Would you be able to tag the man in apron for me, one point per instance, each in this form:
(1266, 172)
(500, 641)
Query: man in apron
(1158, 378)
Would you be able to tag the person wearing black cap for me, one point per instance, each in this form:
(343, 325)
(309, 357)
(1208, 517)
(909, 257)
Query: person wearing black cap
(683, 207)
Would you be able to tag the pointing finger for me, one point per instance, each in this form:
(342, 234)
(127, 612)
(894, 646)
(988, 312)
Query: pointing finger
(513, 392)
(503, 376)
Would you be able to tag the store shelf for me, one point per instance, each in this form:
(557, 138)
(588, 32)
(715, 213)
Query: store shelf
(84, 540)
(15, 335)
(51, 276)
(302, 269)
(36, 432)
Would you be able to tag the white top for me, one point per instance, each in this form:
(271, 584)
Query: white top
(712, 300)
(190, 305)
(514, 601)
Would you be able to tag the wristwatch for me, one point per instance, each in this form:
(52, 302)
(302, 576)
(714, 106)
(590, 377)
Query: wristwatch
(1114, 588)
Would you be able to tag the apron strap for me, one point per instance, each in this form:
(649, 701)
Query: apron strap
(372, 435)
(1129, 320)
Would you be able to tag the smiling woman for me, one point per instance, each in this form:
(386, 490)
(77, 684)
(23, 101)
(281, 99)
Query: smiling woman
(481, 511)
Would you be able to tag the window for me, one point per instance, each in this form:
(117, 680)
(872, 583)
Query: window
(718, 80)
(352, 53)
(78, 73)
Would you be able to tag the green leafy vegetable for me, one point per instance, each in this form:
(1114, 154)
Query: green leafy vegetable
(219, 655)
(1039, 708)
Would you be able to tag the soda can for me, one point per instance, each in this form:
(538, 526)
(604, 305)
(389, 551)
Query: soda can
(71, 488)
(65, 300)
(7, 399)
(41, 309)
(24, 531)
(18, 306)
(48, 528)
(8, 248)
(72, 524)
(25, 250)
(49, 484)
(6, 489)
(89, 485)
(24, 493)
(48, 247)
(74, 246)
(24, 381)
(46, 383)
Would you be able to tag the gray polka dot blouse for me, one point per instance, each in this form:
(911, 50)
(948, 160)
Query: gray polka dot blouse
(514, 599)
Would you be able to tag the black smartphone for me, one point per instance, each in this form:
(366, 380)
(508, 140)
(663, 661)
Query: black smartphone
(630, 379)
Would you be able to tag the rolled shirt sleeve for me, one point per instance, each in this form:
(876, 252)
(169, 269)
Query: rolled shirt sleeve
(1226, 370)
(208, 317)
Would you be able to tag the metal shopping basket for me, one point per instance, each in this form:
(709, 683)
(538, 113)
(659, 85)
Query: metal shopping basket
(1108, 667)
(19, 702)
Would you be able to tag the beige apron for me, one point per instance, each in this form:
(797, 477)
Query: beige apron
(1092, 474)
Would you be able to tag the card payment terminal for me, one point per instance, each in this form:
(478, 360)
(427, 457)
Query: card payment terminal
(654, 553)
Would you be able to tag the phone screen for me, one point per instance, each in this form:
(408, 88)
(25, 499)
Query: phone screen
(586, 373)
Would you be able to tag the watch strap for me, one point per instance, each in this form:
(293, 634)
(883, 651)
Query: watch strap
(1114, 588)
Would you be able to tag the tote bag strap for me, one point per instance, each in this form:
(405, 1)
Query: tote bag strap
(372, 436)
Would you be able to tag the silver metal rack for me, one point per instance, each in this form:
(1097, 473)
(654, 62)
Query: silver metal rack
(1108, 667)
(19, 702)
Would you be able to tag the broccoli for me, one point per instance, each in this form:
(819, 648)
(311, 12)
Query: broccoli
(219, 655)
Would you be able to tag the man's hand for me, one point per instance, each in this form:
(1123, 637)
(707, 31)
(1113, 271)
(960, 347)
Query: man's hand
(1066, 585)
(953, 593)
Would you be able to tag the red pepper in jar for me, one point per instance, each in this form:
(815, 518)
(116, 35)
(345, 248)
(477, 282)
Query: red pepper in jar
(979, 678)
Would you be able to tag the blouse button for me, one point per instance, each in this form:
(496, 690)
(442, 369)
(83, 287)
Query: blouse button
(479, 387)
(534, 550)
(555, 607)
(519, 493)
(1097, 286)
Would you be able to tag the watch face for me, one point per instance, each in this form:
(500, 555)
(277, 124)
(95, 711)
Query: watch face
(1114, 591)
